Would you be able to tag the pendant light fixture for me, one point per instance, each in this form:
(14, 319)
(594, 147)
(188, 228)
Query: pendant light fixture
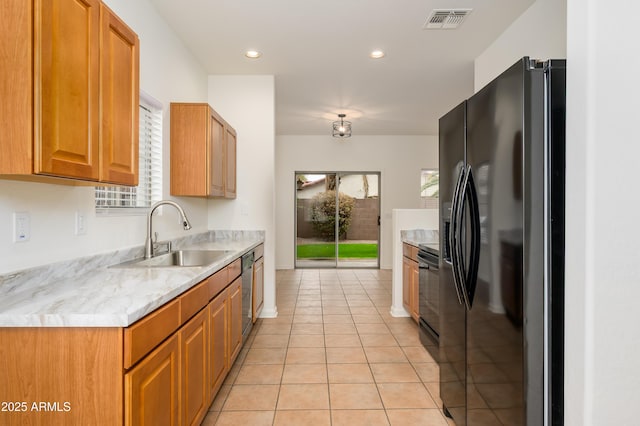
(341, 128)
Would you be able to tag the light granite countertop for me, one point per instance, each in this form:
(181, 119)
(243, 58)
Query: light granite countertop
(415, 237)
(88, 292)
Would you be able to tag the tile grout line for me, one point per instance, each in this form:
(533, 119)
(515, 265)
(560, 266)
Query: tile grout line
(376, 292)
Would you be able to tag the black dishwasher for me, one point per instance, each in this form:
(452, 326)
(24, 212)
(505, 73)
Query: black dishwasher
(247, 290)
(429, 297)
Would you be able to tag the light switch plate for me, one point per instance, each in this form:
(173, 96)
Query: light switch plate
(21, 227)
(81, 223)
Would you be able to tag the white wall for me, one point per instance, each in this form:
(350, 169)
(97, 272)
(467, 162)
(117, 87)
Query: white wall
(540, 33)
(167, 72)
(248, 104)
(602, 259)
(398, 158)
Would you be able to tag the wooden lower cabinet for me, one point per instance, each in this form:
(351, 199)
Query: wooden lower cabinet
(194, 352)
(75, 371)
(414, 289)
(218, 337)
(165, 369)
(235, 318)
(410, 283)
(152, 387)
(257, 300)
(406, 276)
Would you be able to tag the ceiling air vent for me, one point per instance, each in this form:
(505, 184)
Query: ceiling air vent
(445, 19)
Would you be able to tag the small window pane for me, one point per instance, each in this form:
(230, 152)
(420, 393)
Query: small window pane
(429, 188)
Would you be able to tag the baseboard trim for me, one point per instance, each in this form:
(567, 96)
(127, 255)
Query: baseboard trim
(398, 312)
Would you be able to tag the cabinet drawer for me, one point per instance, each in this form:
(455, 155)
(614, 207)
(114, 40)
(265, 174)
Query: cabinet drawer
(144, 335)
(193, 300)
(217, 282)
(234, 269)
(258, 252)
(410, 251)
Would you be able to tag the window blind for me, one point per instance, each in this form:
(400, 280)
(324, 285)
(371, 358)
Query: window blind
(149, 189)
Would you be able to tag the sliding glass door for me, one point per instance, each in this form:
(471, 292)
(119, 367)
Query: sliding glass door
(337, 220)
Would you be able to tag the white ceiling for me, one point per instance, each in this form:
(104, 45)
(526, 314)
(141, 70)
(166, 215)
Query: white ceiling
(318, 51)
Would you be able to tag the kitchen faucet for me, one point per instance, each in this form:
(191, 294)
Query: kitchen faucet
(148, 247)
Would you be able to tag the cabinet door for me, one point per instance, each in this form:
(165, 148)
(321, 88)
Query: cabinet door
(189, 154)
(194, 355)
(414, 287)
(216, 148)
(152, 388)
(230, 164)
(16, 90)
(67, 66)
(406, 284)
(218, 342)
(235, 319)
(119, 91)
(257, 300)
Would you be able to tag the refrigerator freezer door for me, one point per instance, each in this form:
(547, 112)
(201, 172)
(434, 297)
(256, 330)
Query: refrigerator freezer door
(495, 135)
(452, 312)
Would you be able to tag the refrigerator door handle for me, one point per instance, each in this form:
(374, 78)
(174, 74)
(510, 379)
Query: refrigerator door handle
(459, 247)
(474, 215)
(469, 277)
(453, 233)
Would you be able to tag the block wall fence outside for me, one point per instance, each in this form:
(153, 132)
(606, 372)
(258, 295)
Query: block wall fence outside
(363, 226)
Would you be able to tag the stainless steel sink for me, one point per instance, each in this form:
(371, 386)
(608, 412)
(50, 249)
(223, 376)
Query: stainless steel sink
(184, 258)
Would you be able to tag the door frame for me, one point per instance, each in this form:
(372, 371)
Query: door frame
(337, 238)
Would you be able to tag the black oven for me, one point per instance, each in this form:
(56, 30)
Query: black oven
(429, 297)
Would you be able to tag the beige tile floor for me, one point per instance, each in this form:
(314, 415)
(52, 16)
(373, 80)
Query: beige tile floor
(334, 356)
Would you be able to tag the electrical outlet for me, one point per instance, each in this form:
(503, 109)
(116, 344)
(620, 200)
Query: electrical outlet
(21, 227)
(81, 223)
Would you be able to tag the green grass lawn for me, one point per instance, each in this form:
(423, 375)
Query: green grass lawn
(345, 251)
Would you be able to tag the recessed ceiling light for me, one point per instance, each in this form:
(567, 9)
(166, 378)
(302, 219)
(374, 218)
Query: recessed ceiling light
(253, 54)
(376, 54)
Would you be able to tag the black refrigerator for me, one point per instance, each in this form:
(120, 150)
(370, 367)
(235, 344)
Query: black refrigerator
(502, 162)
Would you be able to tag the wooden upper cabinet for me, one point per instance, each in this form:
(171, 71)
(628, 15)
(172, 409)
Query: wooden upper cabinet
(230, 164)
(16, 87)
(189, 135)
(218, 342)
(51, 86)
(216, 145)
(67, 88)
(119, 73)
(203, 152)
